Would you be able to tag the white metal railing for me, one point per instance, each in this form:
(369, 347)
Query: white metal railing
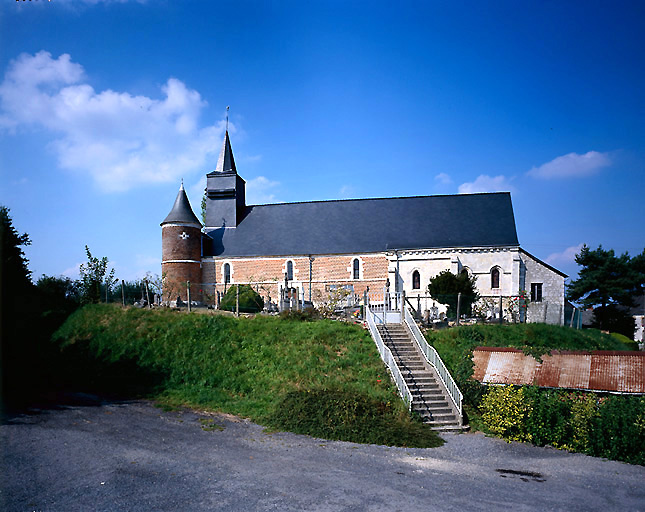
(433, 358)
(386, 306)
(388, 359)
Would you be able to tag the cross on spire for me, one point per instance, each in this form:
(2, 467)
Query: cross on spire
(227, 107)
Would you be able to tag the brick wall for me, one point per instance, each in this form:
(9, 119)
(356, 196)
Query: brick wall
(181, 243)
(175, 276)
(268, 273)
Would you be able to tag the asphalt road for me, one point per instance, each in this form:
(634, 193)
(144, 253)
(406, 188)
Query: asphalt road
(134, 457)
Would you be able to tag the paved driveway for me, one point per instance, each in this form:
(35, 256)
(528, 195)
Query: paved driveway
(132, 456)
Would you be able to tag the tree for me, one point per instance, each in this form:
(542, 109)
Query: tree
(14, 269)
(58, 294)
(93, 274)
(608, 283)
(446, 286)
(250, 301)
(19, 320)
(16, 288)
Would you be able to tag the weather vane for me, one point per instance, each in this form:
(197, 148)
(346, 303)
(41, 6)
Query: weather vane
(227, 107)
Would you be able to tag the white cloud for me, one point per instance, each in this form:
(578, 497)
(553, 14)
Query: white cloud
(73, 272)
(195, 194)
(565, 257)
(572, 165)
(122, 141)
(346, 191)
(485, 183)
(259, 190)
(95, 2)
(249, 158)
(443, 178)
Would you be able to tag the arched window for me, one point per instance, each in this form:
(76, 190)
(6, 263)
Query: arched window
(227, 273)
(356, 269)
(416, 280)
(290, 270)
(494, 278)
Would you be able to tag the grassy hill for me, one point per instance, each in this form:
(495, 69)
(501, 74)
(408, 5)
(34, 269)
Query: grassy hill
(322, 378)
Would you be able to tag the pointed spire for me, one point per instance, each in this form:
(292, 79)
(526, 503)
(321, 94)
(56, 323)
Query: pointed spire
(226, 162)
(181, 210)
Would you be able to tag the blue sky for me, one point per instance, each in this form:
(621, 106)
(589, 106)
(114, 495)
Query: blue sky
(106, 105)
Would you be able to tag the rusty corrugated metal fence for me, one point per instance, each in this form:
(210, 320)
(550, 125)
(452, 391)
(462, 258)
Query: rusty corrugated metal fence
(600, 370)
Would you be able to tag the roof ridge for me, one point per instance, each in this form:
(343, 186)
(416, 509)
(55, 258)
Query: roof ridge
(379, 198)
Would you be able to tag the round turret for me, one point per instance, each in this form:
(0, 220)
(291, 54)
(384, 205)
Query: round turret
(181, 251)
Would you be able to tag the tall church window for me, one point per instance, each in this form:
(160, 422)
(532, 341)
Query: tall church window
(290, 270)
(227, 273)
(494, 278)
(416, 280)
(356, 269)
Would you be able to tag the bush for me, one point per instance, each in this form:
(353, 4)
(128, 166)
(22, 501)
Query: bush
(611, 427)
(504, 410)
(250, 300)
(349, 416)
(548, 421)
(618, 431)
(301, 315)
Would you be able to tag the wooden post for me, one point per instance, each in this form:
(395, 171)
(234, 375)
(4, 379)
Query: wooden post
(148, 295)
(237, 300)
(123, 292)
(501, 314)
(364, 304)
(188, 294)
(311, 261)
(402, 305)
(573, 315)
(458, 306)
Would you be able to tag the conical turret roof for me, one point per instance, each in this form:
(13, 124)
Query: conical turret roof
(226, 162)
(181, 210)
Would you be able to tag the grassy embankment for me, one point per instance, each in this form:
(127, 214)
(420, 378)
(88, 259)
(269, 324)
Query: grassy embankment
(321, 378)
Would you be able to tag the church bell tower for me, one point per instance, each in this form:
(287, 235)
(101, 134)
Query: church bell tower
(225, 191)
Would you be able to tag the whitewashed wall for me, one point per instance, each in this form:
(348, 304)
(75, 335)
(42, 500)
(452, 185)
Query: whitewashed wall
(517, 268)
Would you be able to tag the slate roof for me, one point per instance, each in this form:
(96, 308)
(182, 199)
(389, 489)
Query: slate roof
(225, 162)
(368, 225)
(181, 210)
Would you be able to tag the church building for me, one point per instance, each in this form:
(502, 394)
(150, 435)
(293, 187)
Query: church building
(358, 244)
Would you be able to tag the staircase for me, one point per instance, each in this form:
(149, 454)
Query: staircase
(429, 399)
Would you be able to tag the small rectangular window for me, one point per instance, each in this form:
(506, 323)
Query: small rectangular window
(536, 292)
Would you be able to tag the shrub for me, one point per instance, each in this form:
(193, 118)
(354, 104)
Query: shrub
(618, 431)
(250, 300)
(584, 408)
(302, 315)
(549, 419)
(504, 411)
(351, 416)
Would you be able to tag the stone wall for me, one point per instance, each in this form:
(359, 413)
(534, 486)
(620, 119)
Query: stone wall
(551, 309)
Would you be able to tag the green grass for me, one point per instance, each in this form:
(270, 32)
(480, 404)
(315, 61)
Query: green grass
(252, 367)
